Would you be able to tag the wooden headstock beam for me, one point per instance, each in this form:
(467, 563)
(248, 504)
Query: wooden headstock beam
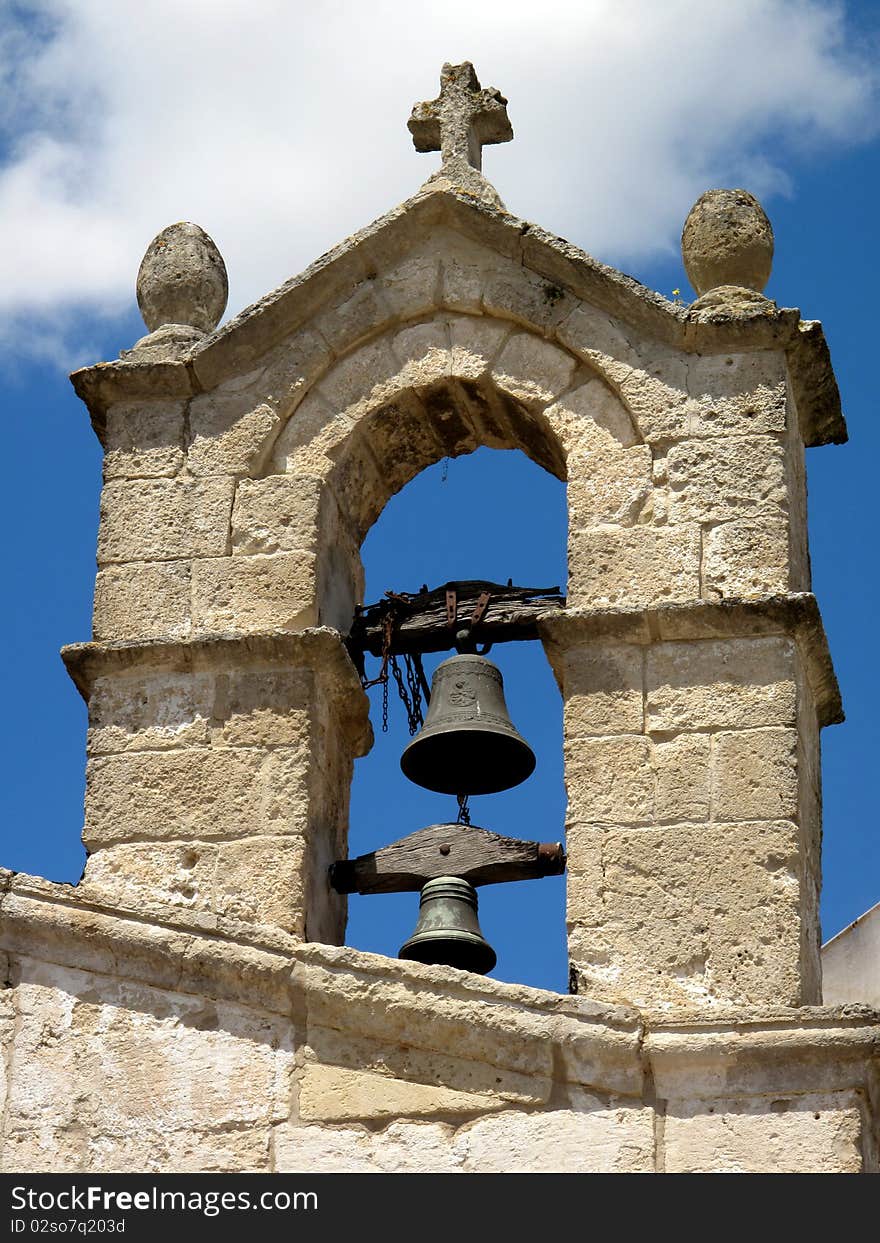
(474, 854)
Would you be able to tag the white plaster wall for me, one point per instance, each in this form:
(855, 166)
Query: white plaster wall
(851, 963)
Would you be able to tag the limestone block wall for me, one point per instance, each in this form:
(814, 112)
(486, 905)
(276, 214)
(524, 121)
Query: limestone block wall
(693, 807)
(218, 780)
(137, 1047)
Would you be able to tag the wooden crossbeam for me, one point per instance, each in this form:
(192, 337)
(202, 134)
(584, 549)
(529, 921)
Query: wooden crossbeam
(426, 621)
(474, 854)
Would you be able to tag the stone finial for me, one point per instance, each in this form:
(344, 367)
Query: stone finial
(182, 280)
(462, 119)
(727, 240)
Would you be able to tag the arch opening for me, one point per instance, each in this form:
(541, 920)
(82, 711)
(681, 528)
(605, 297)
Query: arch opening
(492, 515)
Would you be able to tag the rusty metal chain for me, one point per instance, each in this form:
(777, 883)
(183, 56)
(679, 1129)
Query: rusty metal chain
(411, 689)
(464, 811)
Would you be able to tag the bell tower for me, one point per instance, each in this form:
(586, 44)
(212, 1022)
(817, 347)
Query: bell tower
(196, 982)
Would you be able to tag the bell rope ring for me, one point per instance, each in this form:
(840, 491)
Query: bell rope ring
(468, 743)
(448, 932)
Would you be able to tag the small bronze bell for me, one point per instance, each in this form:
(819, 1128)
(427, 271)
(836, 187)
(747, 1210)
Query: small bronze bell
(448, 931)
(468, 744)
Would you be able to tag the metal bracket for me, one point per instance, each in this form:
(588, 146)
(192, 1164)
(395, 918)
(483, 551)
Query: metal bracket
(451, 608)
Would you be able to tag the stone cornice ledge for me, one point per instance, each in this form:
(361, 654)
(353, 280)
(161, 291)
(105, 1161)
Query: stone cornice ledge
(813, 1049)
(320, 648)
(319, 987)
(796, 614)
(521, 1030)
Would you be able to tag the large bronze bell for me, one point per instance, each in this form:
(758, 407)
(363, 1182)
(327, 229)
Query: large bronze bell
(448, 931)
(468, 744)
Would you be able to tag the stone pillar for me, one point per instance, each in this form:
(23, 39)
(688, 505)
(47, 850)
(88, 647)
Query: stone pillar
(218, 778)
(692, 759)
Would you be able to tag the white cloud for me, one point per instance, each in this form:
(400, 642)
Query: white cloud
(279, 125)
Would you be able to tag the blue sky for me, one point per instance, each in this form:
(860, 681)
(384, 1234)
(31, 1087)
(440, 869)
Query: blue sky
(282, 135)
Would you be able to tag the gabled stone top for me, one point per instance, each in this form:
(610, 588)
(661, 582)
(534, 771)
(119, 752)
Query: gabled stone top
(727, 246)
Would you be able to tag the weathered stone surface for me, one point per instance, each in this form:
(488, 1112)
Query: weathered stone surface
(421, 342)
(599, 339)
(520, 295)
(754, 775)
(260, 880)
(588, 1139)
(748, 557)
(458, 123)
(401, 1148)
(738, 394)
(727, 240)
(240, 594)
(465, 269)
(402, 435)
(453, 430)
(170, 344)
(721, 684)
(195, 794)
(360, 375)
(182, 279)
(434, 1009)
(150, 712)
(532, 369)
(348, 322)
(638, 566)
(813, 1134)
(609, 486)
(276, 514)
(162, 711)
(156, 1054)
(681, 768)
(695, 915)
(411, 287)
(229, 435)
(609, 780)
(603, 685)
(153, 878)
(143, 439)
(311, 438)
(84, 1028)
(717, 480)
(798, 549)
(147, 1147)
(655, 391)
(591, 418)
(337, 1094)
(229, 770)
(263, 708)
(7, 1029)
(439, 1067)
(476, 340)
(143, 601)
(164, 519)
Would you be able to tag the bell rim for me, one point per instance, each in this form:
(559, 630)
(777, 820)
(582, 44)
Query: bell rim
(510, 737)
(453, 934)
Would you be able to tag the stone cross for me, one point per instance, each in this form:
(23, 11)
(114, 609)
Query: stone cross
(462, 119)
